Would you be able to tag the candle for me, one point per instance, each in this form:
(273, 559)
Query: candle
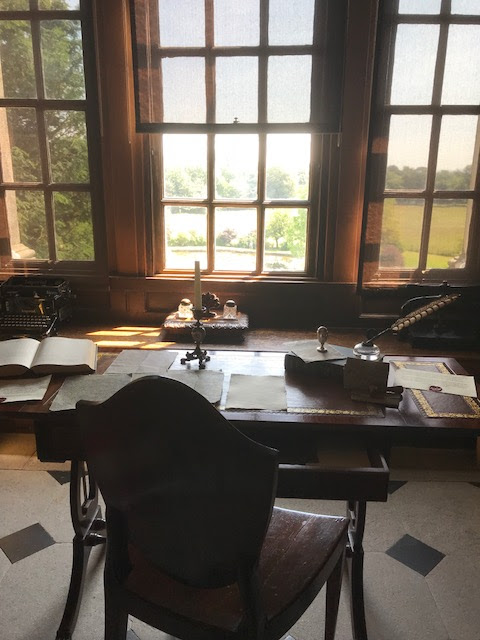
(197, 292)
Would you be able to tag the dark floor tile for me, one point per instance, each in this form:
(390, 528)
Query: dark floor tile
(62, 477)
(25, 542)
(393, 485)
(415, 554)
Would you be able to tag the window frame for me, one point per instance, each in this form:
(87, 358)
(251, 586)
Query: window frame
(327, 51)
(371, 275)
(89, 105)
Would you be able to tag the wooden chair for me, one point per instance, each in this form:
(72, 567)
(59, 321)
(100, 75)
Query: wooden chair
(194, 545)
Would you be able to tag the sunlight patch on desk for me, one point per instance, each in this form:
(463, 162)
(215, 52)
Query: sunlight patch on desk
(114, 333)
(138, 329)
(119, 344)
(159, 345)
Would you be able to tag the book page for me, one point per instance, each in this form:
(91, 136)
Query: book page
(66, 352)
(23, 390)
(95, 387)
(142, 361)
(20, 351)
(436, 381)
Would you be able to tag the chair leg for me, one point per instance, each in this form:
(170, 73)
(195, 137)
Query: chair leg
(334, 585)
(116, 619)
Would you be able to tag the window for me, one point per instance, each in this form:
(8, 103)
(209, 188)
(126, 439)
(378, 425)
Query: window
(48, 199)
(423, 190)
(237, 97)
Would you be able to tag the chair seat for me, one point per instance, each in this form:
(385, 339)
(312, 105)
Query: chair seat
(298, 545)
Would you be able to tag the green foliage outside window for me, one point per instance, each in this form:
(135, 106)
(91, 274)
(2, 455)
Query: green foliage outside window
(62, 66)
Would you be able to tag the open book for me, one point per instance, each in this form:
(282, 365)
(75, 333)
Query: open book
(51, 355)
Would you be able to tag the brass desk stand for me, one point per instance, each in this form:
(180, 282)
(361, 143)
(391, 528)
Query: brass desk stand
(198, 335)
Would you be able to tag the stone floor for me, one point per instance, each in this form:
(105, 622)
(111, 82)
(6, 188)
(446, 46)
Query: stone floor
(422, 552)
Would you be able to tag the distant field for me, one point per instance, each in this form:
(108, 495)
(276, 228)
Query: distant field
(402, 226)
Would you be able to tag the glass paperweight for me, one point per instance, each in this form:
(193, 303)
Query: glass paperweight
(230, 310)
(366, 351)
(185, 310)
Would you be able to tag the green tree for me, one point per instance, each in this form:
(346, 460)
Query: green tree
(280, 184)
(225, 185)
(277, 226)
(62, 66)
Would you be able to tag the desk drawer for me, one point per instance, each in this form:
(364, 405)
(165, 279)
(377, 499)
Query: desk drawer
(314, 480)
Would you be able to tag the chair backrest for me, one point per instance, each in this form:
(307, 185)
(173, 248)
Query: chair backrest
(195, 494)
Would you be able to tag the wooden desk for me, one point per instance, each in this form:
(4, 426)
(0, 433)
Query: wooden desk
(320, 411)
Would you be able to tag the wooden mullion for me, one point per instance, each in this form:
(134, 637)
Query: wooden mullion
(263, 63)
(435, 109)
(261, 186)
(41, 14)
(42, 139)
(64, 105)
(434, 139)
(210, 205)
(262, 137)
(230, 51)
(209, 61)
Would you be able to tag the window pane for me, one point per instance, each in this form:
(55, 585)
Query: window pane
(401, 233)
(237, 23)
(461, 83)
(289, 79)
(73, 226)
(62, 56)
(59, 4)
(408, 148)
(414, 64)
(456, 153)
(14, 5)
(182, 23)
(16, 53)
(235, 239)
(27, 224)
(236, 171)
(67, 143)
(19, 145)
(471, 7)
(288, 166)
(449, 234)
(290, 22)
(185, 166)
(285, 239)
(184, 89)
(237, 89)
(419, 6)
(186, 237)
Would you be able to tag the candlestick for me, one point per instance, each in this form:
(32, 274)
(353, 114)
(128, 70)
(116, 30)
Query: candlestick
(197, 292)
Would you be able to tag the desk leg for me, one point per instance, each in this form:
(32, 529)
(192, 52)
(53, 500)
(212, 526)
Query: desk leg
(89, 531)
(356, 511)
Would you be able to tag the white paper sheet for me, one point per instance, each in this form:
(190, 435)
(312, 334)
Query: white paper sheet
(256, 392)
(91, 387)
(23, 390)
(208, 383)
(433, 381)
(142, 361)
(307, 351)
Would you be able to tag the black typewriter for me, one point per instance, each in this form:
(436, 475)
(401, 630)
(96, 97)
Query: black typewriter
(34, 306)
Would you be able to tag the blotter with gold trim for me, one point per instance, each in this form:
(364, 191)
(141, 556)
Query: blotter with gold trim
(440, 405)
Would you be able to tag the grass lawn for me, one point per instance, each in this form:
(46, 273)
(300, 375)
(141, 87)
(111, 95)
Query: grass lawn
(402, 226)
